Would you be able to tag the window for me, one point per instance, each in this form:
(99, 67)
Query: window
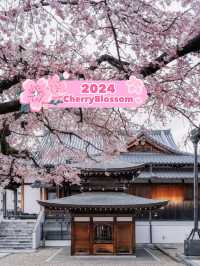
(103, 233)
(51, 195)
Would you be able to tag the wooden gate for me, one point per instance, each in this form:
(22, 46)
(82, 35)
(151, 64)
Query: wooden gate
(80, 238)
(98, 238)
(125, 238)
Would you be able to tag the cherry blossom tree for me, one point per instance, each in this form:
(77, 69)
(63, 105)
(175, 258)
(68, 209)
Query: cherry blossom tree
(157, 41)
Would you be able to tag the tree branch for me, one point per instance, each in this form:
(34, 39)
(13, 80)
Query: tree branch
(5, 84)
(111, 60)
(9, 107)
(192, 46)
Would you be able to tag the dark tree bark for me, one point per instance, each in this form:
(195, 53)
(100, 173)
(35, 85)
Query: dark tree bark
(9, 107)
(192, 46)
(7, 83)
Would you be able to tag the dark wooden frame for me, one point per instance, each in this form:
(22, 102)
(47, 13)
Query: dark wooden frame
(113, 245)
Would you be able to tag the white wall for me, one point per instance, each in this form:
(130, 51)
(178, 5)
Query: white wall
(31, 195)
(163, 231)
(9, 199)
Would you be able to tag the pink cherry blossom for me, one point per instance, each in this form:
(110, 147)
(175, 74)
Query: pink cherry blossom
(66, 75)
(56, 86)
(35, 93)
(135, 86)
(148, 39)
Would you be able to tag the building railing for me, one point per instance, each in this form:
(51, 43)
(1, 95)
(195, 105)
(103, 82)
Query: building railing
(57, 229)
(11, 214)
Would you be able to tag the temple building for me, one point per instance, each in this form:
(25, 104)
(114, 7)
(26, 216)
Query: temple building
(103, 219)
(153, 179)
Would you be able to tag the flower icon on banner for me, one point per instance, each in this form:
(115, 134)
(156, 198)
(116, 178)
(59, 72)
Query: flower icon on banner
(35, 93)
(56, 86)
(66, 75)
(135, 86)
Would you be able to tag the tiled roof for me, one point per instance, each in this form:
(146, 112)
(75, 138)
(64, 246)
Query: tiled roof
(167, 174)
(157, 158)
(50, 143)
(107, 165)
(162, 138)
(103, 199)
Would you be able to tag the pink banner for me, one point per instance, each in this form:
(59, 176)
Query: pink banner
(56, 93)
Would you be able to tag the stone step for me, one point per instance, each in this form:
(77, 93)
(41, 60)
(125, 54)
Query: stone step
(17, 233)
(17, 226)
(17, 229)
(15, 249)
(9, 246)
(18, 223)
(15, 242)
(16, 237)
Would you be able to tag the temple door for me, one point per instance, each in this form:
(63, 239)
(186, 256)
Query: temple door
(81, 238)
(125, 240)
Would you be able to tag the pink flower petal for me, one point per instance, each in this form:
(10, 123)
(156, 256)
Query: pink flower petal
(35, 106)
(24, 99)
(47, 96)
(28, 84)
(66, 75)
(42, 83)
(56, 78)
(132, 78)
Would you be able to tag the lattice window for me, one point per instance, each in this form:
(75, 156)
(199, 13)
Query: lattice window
(103, 233)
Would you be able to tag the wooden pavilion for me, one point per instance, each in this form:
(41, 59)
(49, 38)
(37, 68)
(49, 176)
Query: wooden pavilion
(103, 218)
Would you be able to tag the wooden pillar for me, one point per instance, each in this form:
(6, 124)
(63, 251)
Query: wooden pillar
(43, 230)
(72, 235)
(133, 235)
(4, 204)
(41, 198)
(45, 193)
(150, 227)
(22, 197)
(15, 202)
(91, 236)
(57, 191)
(115, 236)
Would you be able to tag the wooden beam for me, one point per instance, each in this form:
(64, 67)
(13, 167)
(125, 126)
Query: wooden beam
(15, 202)
(22, 197)
(72, 236)
(115, 235)
(133, 244)
(91, 234)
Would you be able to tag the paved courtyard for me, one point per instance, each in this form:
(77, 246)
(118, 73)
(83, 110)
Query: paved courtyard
(60, 256)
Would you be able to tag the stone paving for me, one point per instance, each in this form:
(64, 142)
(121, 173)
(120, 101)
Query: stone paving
(60, 257)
